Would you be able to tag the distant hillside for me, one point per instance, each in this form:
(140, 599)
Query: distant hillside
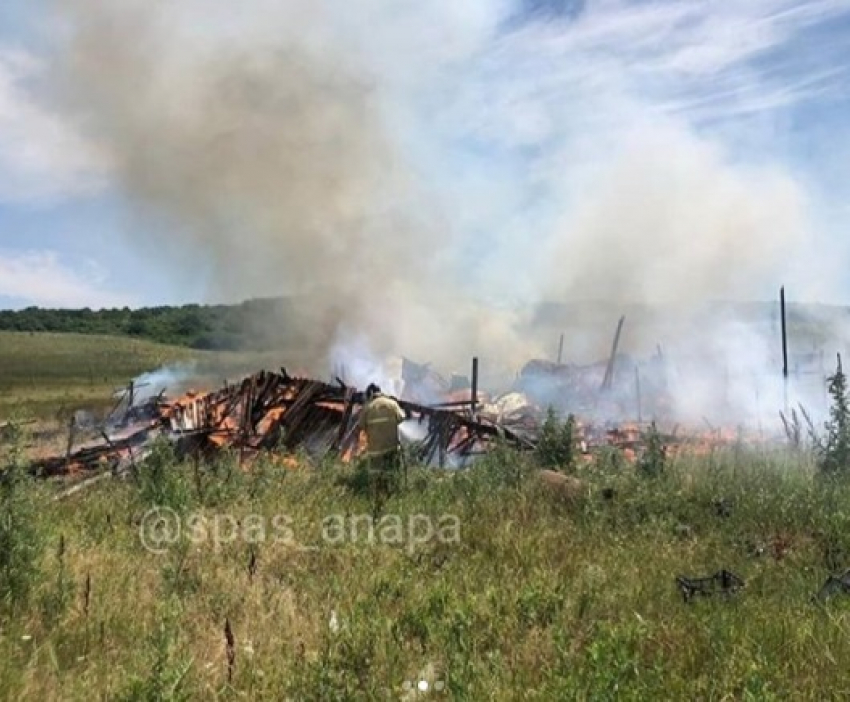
(213, 327)
(278, 324)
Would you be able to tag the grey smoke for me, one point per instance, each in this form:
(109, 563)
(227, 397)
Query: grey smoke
(424, 173)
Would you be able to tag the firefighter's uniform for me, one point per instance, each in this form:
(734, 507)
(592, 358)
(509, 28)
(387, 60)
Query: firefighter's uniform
(380, 419)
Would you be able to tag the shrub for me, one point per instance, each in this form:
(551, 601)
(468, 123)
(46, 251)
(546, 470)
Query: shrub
(167, 668)
(20, 542)
(833, 449)
(654, 457)
(556, 445)
(503, 466)
(161, 483)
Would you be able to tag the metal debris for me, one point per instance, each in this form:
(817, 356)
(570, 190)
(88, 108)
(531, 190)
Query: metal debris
(723, 582)
(834, 586)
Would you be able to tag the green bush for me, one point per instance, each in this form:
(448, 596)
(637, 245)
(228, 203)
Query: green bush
(161, 481)
(20, 540)
(556, 446)
(166, 675)
(653, 460)
(833, 449)
(503, 466)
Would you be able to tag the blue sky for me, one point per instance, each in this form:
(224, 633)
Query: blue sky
(536, 84)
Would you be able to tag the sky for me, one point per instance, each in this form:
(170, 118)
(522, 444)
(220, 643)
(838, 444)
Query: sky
(518, 105)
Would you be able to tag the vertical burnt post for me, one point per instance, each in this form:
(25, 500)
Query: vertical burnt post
(609, 370)
(561, 349)
(442, 440)
(132, 394)
(474, 392)
(784, 346)
(72, 425)
(230, 649)
(637, 393)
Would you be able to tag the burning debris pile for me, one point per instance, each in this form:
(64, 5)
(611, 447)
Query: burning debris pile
(449, 422)
(274, 411)
(635, 390)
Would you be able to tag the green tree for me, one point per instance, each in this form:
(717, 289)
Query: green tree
(833, 448)
(556, 444)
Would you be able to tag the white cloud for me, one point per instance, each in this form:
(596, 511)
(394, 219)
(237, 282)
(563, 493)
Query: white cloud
(522, 131)
(673, 55)
(41, 278)
(42, 158)
(708, 59)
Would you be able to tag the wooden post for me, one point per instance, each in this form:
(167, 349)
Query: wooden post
(230, 649)
(132, 394)
(71, 426)
(609, 371)
(561, 349)
(784, 347)
(442, 442)
(637, 392)
(474, 389)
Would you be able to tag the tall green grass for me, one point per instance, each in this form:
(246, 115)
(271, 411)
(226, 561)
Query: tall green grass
(45, 375)
(50, 375)
(538, 598)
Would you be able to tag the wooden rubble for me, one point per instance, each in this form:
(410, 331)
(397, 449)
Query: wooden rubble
(276, 412)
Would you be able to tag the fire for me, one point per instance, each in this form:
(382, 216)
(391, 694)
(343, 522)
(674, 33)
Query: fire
(275, 415)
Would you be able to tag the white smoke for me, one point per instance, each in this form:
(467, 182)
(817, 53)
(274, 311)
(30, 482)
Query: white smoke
(170, 380)
(426, 173)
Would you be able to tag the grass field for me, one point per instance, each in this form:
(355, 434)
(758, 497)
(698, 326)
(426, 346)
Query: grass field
(48, 376)
(51, 374)
(531, 597)
(484, 582)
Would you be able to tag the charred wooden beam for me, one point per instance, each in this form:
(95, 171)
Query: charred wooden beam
(609, 370)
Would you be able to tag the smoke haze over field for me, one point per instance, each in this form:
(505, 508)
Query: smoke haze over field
(408, 165)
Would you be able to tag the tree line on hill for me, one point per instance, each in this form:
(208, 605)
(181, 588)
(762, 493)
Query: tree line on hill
(245, 326)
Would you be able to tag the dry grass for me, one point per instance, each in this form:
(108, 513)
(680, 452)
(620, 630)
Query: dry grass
(50, 375)
(538, 599)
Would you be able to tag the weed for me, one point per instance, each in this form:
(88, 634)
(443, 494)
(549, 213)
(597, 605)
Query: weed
(609, 459)
(60, 593)
(221, 479)
(538, 605)
(167, 670)
(21, 543)
(833, 449)
(179, 576)
(161, 482)
(556, 445)
(653, 460)
(503, 466)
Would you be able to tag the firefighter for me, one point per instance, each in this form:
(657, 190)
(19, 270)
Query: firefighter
(380, 419)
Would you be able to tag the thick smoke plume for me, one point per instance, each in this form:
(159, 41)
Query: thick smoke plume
(410, 170)
(266, 155)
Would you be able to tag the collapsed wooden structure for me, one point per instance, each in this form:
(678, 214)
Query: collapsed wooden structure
(273, 411)
(276, 412)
